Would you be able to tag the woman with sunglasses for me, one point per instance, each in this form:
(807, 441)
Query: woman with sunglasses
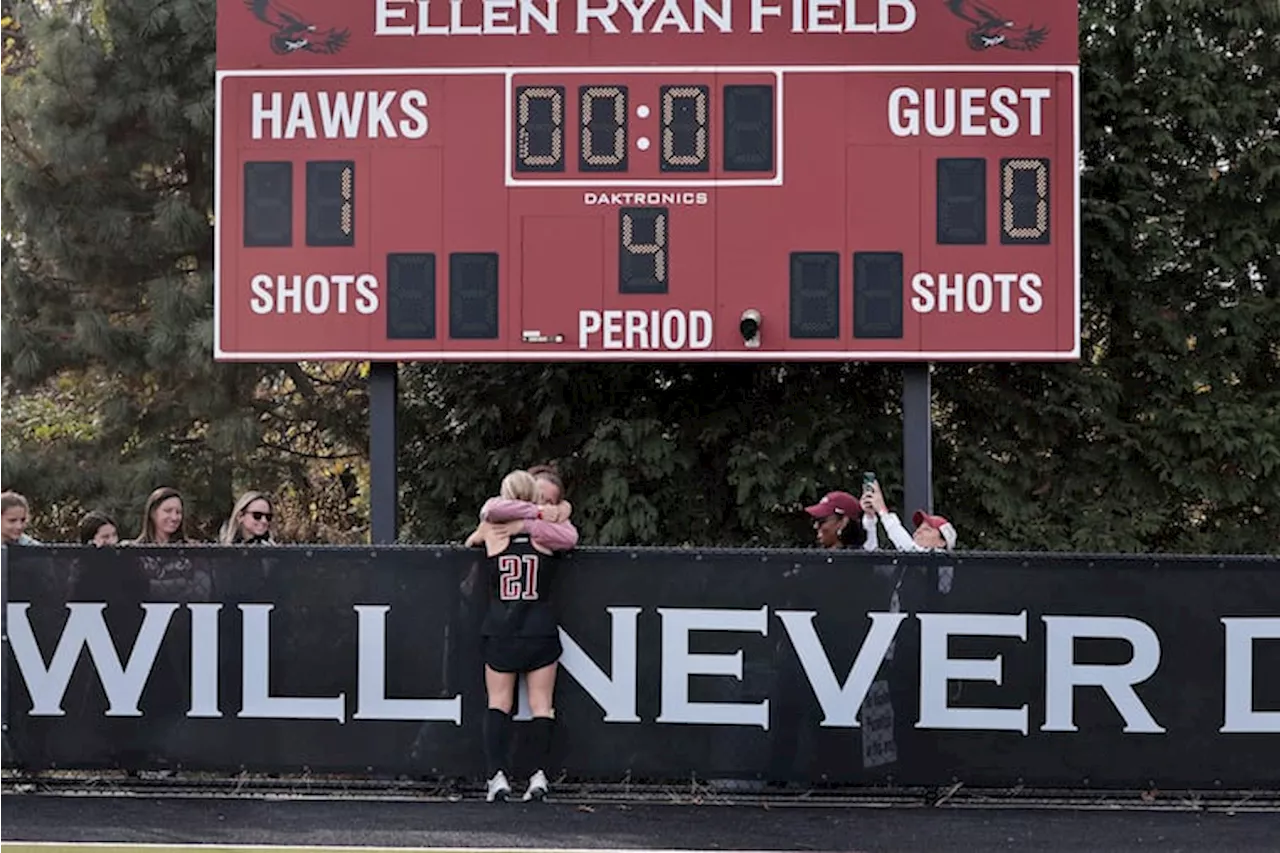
(250, 522)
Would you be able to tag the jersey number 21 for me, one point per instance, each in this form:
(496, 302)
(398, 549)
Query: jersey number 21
(518, 577)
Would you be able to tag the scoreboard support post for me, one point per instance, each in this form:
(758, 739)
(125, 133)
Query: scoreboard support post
(383, 485)
(917, 439)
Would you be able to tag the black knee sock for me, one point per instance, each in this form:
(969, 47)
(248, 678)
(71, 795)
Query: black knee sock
(540, 731)
(497, 740)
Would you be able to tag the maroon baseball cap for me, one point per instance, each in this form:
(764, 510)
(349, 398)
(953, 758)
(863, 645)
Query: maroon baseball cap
(835, 503)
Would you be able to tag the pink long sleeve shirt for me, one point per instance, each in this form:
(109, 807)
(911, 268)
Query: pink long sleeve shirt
(555, 535)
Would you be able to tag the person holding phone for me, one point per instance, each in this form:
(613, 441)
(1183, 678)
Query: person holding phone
(933, 532)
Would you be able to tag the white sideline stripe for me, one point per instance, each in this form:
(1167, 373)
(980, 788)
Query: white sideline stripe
(315, 848)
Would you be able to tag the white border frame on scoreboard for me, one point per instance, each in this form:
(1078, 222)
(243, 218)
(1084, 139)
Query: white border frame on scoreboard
(603, 179)
(759, 355)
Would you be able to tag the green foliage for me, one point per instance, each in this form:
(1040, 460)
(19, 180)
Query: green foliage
(666, 454)
(110, 388)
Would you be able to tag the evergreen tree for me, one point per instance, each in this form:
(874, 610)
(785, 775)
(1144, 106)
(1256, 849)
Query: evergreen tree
(108, 198)
(12, 39)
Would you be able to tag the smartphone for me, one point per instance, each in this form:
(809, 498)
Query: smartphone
(868, 478)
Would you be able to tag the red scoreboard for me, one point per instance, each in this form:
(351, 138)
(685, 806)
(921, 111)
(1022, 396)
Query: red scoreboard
(647, 179)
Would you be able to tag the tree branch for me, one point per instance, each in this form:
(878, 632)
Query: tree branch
(302, 382)
(306, 455)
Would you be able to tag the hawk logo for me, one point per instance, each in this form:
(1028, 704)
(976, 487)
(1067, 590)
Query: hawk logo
(293, 32)
(992, 29)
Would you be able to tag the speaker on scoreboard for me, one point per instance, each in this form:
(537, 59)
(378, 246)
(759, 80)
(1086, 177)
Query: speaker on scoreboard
(749, 327)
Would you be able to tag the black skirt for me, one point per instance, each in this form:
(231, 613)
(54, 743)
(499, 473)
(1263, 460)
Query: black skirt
(521, 654)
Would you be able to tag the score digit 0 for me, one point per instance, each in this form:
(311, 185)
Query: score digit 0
(1024, 200)
(604, 129)
(685, 122)
(540, 129)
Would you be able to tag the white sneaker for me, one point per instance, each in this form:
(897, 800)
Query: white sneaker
(498, 788)
(537, 787)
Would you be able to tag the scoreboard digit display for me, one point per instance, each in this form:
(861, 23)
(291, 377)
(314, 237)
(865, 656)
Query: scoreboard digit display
(406, 180)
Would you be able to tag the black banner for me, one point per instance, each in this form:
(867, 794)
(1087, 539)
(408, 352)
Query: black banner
(815, 667)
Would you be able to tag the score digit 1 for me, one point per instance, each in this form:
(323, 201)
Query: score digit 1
(330, 203)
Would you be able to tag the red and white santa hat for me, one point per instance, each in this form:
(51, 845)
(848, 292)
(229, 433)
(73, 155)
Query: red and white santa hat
(939, 524)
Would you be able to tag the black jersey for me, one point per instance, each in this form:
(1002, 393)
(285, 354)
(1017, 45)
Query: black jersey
(521, 592)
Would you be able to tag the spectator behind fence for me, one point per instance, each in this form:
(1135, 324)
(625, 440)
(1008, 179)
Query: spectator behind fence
(546, 518)
(98, 529)
(250, 522)
(172, 576)
(15, 513)
(933, 532)
(841, 522)
(162, 519)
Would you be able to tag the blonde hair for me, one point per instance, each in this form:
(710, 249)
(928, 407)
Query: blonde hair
(519, 486)
(232, 533)
(8, 500)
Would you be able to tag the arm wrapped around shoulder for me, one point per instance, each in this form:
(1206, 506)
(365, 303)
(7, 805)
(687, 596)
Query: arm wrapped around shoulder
(556, 512)
(494, 536)
(555, 535)
(502, 509)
